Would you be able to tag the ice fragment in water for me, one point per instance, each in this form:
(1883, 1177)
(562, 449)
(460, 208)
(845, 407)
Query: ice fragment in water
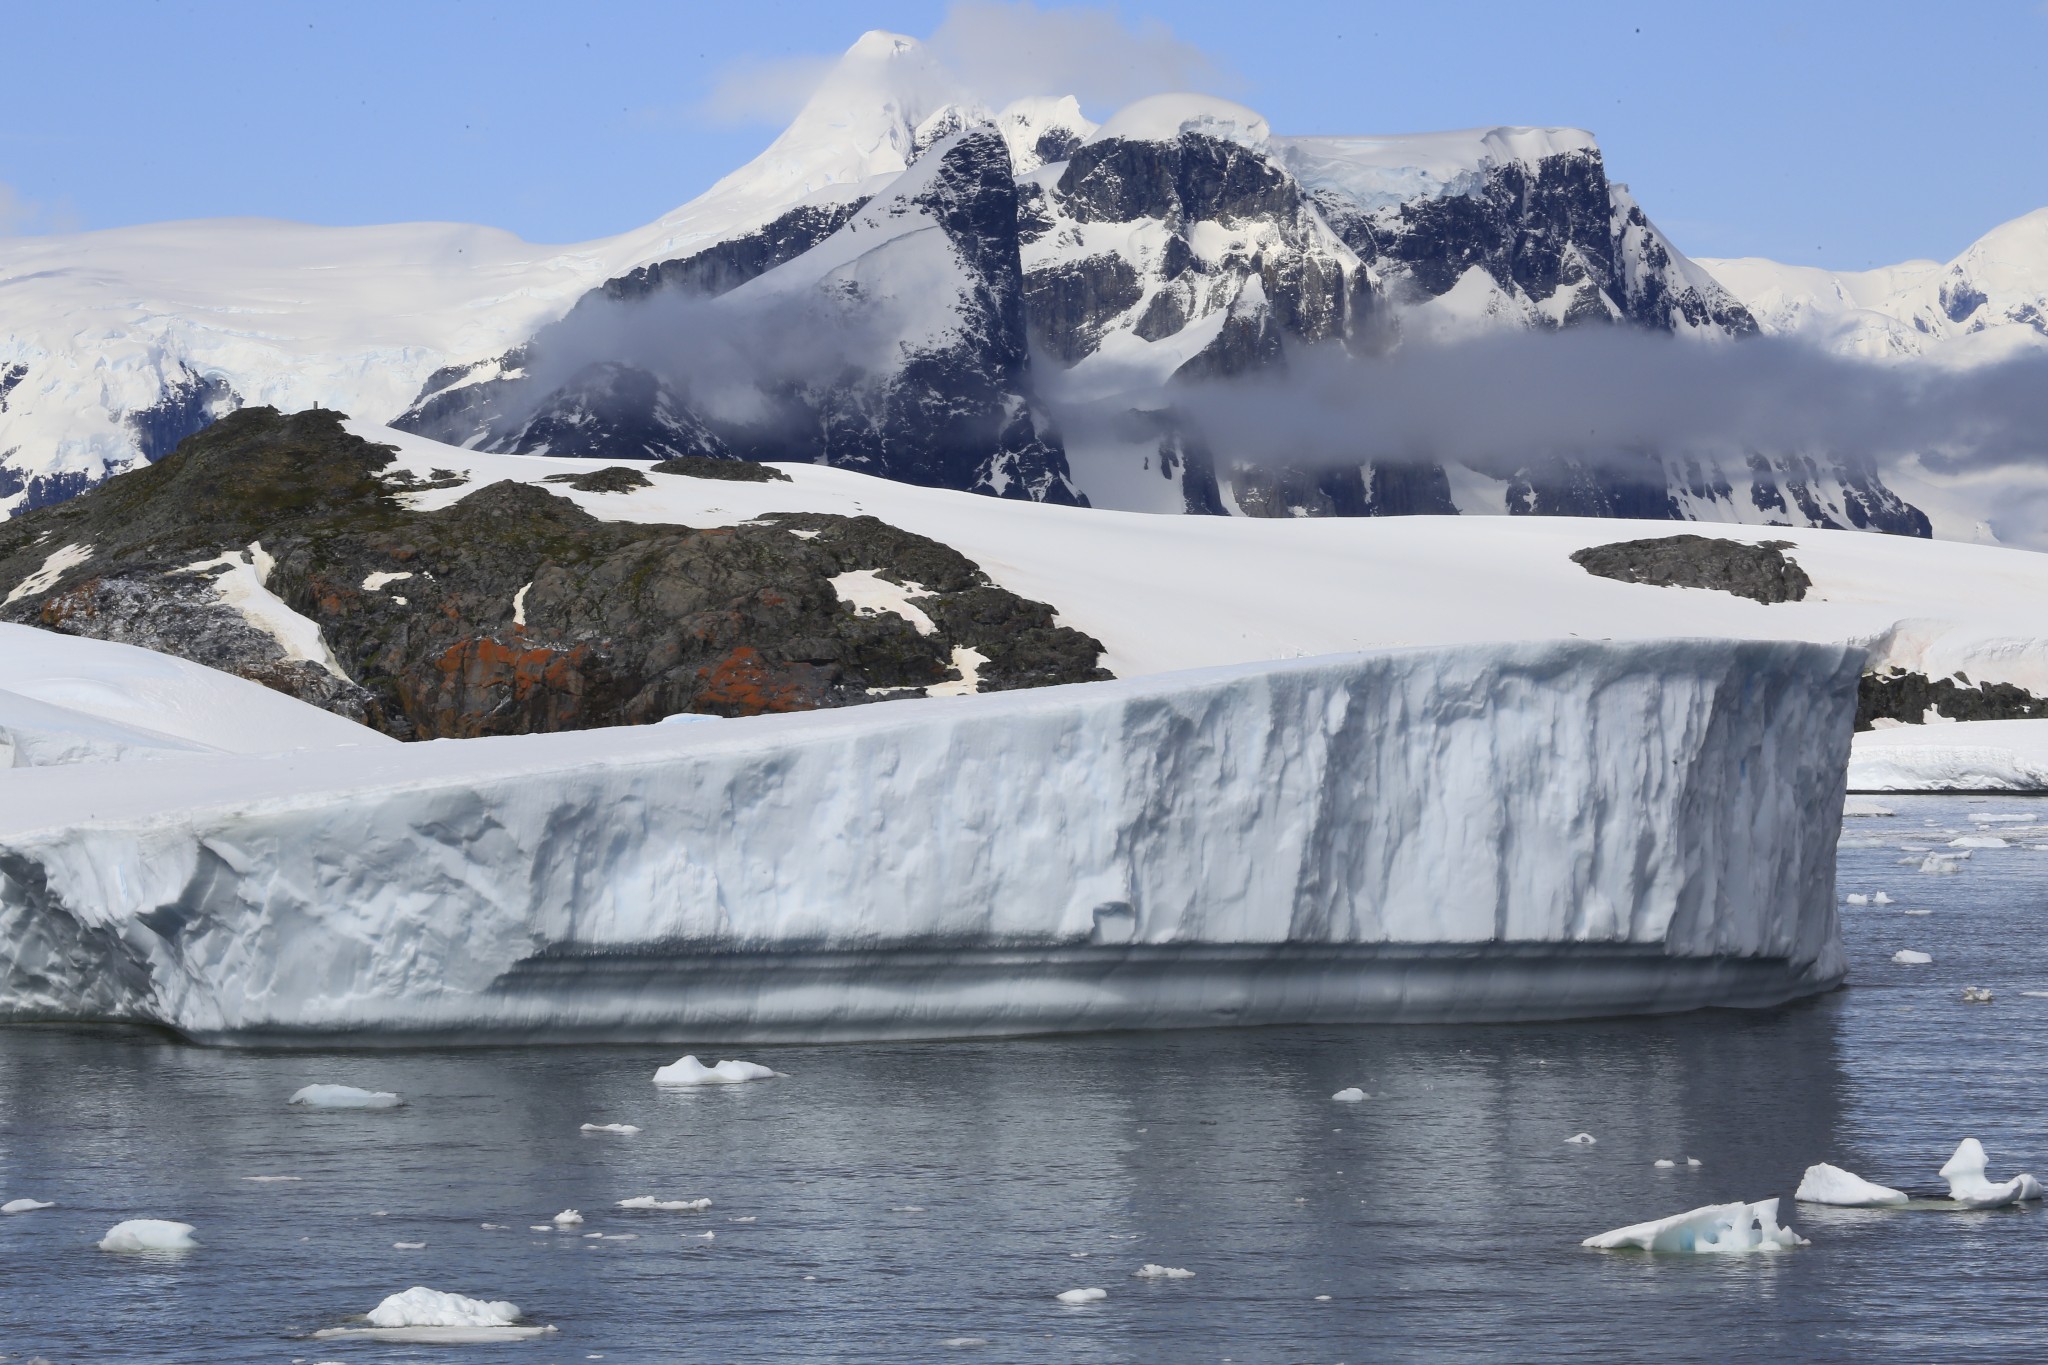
(1717, 1229)
(1880, 899)
(964, 1341)
(1582, 1139)
(344, 1097)
(1664, 1163)
(648, 1201)
(1863, 805)
(1825, 1184)
(1082, 1295)
(568, 1218)
(408, 1246)
(420, 1306)
(1692, 1161)
(148, 1234)
(1968, 1186)
(1858, 900)
(1909, 957)
(1349, 1095)
(690, 1071)
(1979, 841)
(1976, 995)
(1149, 1271)
(25, 1205)
(622, 1128)
(1942, 862)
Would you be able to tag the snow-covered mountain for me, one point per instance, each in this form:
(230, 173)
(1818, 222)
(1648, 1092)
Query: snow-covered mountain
(909, 283)
(1989, 302)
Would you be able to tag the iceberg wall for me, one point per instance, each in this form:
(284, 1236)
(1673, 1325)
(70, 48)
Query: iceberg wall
(1509, 831)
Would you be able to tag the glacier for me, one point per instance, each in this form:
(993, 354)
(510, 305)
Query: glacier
(1470, 832)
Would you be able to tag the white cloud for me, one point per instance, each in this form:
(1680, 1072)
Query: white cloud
(997, 50)
(20, 216)
(1002, 51)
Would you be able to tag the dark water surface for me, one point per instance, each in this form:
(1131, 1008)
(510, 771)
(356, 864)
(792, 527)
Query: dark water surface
(1442, 1216)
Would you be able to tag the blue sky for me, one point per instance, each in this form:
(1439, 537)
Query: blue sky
(1828, 132)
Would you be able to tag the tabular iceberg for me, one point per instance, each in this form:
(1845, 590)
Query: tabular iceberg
(1533, 830)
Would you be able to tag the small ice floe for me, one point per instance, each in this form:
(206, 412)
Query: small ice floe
(495, 1227)
(540, 1227)
(704, 1236)
(271, 1179)
(1916, 912)
(611, 1236)
(1968, 1186)
(1880, 899)
(1350, 1094)
(1863, 805)
(1582, 1139)
(1976, 995)
(960, 1343)
(1322, 1298)
(429, 1317)
(909, 1208)
(1082, 1295)
(623, 1129)
(1825, 1184)
(2038, 995)
(1911, 957)
(1664, 1163)
(690, 1071)
(1148, 1271)
(1718, 1229)
(408, 1246)
(568, 1218)
(1857, 899)
(26, 1205)
(1692, 1161)
(1983, 817)
(1979, 841)
(1941, 863)
(344, 1097)
(148, 1234)
(648, 1201)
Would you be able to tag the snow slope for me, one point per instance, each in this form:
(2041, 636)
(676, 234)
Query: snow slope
(1486, 831)
(1971, 755)
(1173, 592)
(65, 695)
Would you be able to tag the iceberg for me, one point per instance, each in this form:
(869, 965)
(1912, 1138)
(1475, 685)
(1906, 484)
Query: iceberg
(1350, 1094)
(648, 1201)
(1717, 1229)
(1082, 1295)
(148, 1234)
(343, 1097)
(690, 1071)
(622, 1129)
(1911, 957)
(428, 1316)
(1516, 831)
(1968, 1186)
(26, 1205)
(1825, 1184)
(1149, 1271)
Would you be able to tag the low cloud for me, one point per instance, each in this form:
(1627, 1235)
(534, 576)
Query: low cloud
(21, 216)
(994, 52)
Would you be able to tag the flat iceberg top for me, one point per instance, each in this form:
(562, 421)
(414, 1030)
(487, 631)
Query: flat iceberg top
(690, 1071)
(343, 1097)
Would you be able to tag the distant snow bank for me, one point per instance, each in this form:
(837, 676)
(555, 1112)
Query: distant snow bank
(1970, 755)
(1491, 831)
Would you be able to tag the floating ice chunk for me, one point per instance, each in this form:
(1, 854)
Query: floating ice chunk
(1718, 1229)
(408, 1246)
(1082, 1295)
(148, 1234)
(1149, 1271)
(1976, 995)
(1968, 1186)
(706, 1236)
(960, 1342)
(648, 1201)
(1863, 805)
(690, 1071)
(420, 1306)
(1825, 1184)
(1987, 818)
(540, 1227)
(1349, 1095)
(1979, 841)
(1909, 957)
(272, 1179)
(344, 1097)
(1857, 900)
(1582, 1139)
(1664, 1163)
(568, 1218)
(1916, 912)
(2038, 995)
(26, 1205)
(1880, 899)
(620, 1128)
(1692, 1161)
(1941, 863)
(908, 1208)
(747, 1218)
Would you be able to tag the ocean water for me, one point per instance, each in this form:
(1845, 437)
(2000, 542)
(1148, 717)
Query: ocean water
(881, 1201)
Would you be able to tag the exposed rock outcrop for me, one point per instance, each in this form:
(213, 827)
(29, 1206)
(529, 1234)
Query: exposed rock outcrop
(1762, 572)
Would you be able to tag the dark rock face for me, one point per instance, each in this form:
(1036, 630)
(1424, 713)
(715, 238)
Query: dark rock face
(10, 376)
(617, 479)
(1761, 572)
(1902, 696)
(732, 471)
(729, 264)
(513, 610)
(191, 402)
